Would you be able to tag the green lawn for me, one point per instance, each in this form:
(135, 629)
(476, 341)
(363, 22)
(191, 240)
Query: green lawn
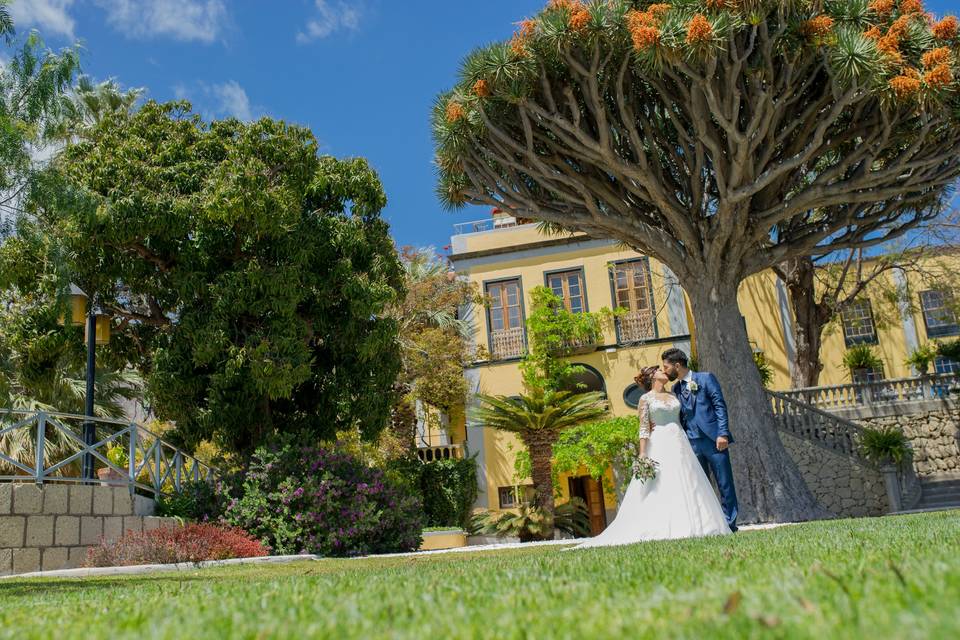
(893, 577)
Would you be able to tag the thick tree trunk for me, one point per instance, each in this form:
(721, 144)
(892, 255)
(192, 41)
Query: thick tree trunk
(810, 318)
(768, 482)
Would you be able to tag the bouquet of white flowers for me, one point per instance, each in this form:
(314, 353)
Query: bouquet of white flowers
(645, 468)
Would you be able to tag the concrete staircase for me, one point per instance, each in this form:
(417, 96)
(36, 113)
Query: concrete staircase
(940, 493)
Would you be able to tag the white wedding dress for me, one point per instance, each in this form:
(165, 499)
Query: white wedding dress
(679, 502)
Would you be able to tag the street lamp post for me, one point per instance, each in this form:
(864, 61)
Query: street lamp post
(97, 331)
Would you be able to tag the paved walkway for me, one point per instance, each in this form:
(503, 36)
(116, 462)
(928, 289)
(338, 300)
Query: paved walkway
(189, 566)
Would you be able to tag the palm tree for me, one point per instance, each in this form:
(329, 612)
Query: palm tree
(89, 103)
(432, 338)
(538, 419)
(60, 388)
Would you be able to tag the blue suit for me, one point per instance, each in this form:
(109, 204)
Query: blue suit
(703, 415)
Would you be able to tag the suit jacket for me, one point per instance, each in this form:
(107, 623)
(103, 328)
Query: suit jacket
(704, 410)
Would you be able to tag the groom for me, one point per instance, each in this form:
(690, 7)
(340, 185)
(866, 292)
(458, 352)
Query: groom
(703, 415)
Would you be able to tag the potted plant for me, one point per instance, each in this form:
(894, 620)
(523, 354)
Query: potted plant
(921, 358)
(110, 477)
(861, 361)
(888, 447)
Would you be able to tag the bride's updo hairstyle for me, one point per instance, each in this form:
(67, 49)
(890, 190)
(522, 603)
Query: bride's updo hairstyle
(645, 378)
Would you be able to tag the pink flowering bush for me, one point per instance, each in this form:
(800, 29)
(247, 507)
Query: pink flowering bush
(315, 500)
(169, 545)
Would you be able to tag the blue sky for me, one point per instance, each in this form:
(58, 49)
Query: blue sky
(362, 74)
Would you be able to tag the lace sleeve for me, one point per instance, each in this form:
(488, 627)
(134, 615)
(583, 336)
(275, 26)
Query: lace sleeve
(644, 411)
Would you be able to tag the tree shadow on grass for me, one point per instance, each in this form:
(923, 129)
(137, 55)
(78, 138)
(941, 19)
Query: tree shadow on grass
(12, 588)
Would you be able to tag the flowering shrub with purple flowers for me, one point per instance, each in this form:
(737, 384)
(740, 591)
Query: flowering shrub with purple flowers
(316, 500)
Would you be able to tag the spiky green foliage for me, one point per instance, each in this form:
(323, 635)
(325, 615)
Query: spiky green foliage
(530, 523)
(721, 138)
(885, 444)
(538, 418)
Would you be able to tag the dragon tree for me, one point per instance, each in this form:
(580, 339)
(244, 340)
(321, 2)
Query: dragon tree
(722, 138)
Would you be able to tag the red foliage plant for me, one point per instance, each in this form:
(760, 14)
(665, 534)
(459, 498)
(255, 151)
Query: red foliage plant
(170, 545)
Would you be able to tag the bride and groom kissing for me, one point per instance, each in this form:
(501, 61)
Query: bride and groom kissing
(686, 433)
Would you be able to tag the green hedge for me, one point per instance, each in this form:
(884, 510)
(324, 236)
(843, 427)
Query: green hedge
(449, 489)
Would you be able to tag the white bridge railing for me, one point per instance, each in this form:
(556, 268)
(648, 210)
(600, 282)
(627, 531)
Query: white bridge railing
(879, 392)
(41, 447)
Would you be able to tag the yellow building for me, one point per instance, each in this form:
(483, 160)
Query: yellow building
(506, 260)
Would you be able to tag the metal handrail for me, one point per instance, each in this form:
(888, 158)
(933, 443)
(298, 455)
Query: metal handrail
(154, 465)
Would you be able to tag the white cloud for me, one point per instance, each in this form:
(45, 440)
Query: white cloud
(233, 100)
(226, 99)
(198, 20)
(330, 17)
(49, 16)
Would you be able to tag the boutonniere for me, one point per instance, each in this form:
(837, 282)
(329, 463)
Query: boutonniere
(693, 386)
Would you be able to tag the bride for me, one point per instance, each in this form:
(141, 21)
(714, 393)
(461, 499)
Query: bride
(679, 502)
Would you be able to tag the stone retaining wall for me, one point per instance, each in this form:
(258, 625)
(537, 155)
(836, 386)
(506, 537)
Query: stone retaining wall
(840, 485)
(935, 436)
(51, 526)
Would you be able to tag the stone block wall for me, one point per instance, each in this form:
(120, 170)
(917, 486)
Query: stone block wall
(48, 527)
(935, 436)
(840, 485)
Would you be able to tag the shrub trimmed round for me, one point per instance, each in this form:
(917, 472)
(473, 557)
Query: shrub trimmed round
(321, 501)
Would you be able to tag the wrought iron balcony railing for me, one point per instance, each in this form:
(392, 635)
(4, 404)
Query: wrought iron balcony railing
(636, 326)
(506, 344)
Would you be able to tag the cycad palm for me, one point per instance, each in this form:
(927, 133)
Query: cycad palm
(538, 419)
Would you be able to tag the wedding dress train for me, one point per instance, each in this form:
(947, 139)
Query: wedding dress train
(679, 502)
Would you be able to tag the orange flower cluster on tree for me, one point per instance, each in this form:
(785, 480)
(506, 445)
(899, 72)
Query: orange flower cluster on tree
(644, 26)
(819, 27)
(938, 77)
(699, 30)
(454, 111)
(716, 5)
(946, 29)
(906, 85)
(481, 89)
(911, 6)
(934, 57)
(518, 45)
(579, 18)
(882, 7)
(873, 33)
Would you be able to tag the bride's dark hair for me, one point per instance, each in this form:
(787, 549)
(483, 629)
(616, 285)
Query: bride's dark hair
(645, 378)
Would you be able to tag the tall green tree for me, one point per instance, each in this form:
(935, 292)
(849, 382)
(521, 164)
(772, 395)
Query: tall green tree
(252, 275)
(33, 81)
(432, 338)
(721, 138)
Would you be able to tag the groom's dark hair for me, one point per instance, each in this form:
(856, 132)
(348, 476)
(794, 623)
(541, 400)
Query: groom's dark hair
(675, 356)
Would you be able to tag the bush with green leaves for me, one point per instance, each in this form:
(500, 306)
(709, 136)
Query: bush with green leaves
(597, 446)
(861, 357)
(884, 445)
(763, 367)
(449, 489)
(529, 522)
(949, 349)
(921, 357)
(301, 499)
(198, 501)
